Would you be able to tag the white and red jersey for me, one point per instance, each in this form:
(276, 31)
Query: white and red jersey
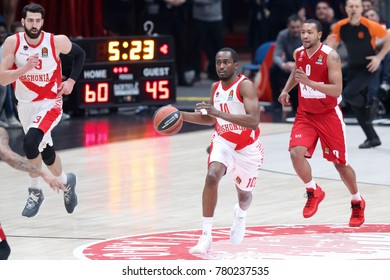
(43, 81)
(315, 67)
(229, 100)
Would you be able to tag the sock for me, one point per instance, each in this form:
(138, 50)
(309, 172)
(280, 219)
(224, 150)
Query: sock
(36, 183)
(207, 225)
(356, 196)
(241, 213)
(311, 185)
(63, 179)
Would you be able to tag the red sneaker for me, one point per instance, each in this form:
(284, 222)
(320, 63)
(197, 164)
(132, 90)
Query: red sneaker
(314, 197)
(357, 216)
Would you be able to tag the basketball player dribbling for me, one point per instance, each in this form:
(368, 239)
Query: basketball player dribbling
(31, 61)
(318, 73)
(235, 147)
(16, 161)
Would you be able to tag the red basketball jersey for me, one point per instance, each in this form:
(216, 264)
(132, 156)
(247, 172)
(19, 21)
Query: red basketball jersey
(316, 68)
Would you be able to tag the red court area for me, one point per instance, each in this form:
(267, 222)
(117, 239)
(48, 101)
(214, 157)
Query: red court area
(327, 241)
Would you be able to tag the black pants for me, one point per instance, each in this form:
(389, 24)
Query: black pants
(5, 250)
(355, 94)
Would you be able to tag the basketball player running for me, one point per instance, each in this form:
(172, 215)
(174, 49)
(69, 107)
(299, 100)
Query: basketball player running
(16, 161)
(318, 73)
(235, 146)
(31, 60)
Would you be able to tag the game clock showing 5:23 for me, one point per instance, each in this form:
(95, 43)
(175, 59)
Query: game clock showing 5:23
(124, 71)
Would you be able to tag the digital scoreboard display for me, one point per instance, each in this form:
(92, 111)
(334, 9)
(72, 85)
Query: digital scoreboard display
(123, 71)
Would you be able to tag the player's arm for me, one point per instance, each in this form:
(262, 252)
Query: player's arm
(7, 74)
(284, 97)
(335, 86)
(250, 119)
(197, 117)
(65, 46)
(16, 161)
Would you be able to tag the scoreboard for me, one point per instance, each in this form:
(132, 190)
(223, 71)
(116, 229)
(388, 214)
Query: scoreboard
(125, 71)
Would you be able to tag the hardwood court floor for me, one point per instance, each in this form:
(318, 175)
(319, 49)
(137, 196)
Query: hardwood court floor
(131, 181)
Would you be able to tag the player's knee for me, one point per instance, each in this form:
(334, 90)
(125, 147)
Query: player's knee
(296, 154)
(31, 142)
(5, 250)
(48, 155)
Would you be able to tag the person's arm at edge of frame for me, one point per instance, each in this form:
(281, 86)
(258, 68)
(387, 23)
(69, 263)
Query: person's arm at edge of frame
(18, 162)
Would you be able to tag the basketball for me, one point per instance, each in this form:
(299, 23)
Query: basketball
(167, 120)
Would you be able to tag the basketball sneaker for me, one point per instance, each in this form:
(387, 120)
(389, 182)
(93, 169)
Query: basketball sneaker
(70, 197)
(237, 231)
(314, 197)
(357, 216)
(203, 246)
(34, 201)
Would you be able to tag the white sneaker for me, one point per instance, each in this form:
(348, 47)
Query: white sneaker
(203, 246)
(237, 231)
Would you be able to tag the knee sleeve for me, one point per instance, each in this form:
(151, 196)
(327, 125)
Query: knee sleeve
(48, 155)
(5, 250)
(31, 142)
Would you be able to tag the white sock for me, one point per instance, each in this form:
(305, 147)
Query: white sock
(63, 179)
(356, 196)
(311, 185)
(36, 182)
(241, 213)
(207, 225)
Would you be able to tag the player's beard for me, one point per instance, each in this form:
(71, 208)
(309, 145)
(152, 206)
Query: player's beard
(308, 45)
(32, 35)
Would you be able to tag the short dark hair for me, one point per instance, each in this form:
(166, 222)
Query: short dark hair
(315, 22)
(233, 53)
(33, 8)
(293, 17)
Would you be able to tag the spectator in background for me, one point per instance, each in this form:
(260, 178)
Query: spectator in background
(279, 11)
(258, 25)
(367, 4)
(9, 11)
(325, 15)
(171, 17)
(8, 105)
(207, 19)
(287, 41)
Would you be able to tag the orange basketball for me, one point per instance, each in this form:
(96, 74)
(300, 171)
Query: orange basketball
(167, 120)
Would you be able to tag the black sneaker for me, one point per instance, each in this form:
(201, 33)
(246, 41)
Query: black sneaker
(70, 197)
(370, 143)
(34, 201)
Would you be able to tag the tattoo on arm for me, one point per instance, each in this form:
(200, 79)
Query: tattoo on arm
(13, 159)
(22, 164)
(335, 57)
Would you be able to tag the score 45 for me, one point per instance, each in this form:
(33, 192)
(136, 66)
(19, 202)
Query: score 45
(159, 89)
